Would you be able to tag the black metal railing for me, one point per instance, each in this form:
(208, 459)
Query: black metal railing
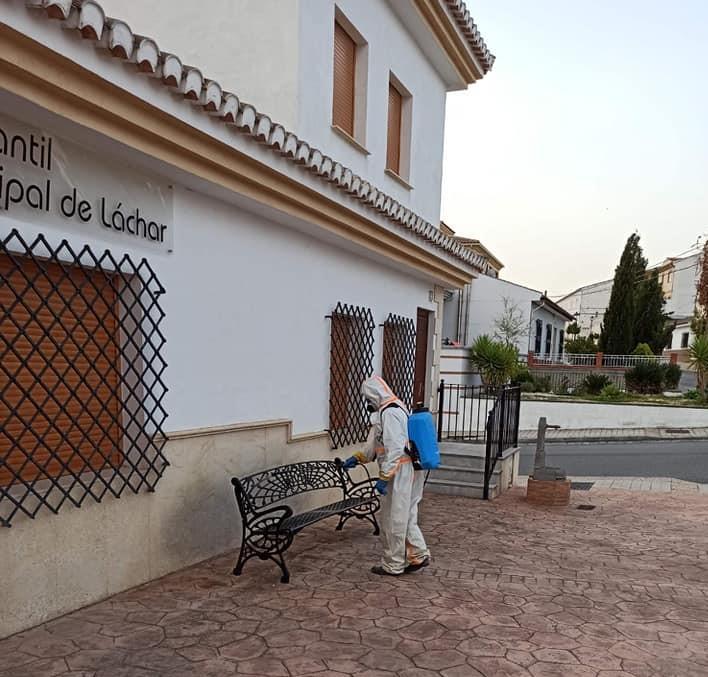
(463, 412)
(502, 430)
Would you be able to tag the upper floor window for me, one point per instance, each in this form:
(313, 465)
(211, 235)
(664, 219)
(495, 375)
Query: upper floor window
(349, 81)
(344, 80)
(393, 149)
(684, 339)
(398, 134)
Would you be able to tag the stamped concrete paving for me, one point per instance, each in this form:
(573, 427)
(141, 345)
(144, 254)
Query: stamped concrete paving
(514, 590)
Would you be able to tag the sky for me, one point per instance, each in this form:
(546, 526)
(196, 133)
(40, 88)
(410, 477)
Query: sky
(592, 124)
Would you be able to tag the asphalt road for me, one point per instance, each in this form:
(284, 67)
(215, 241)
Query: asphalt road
(681, 460)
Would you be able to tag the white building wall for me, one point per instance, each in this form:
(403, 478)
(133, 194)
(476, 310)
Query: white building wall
(391, 48)
(250, 48)
(683, 293)
(486, 294)
(246, 300)
(486, 305)
(247, 328)
(277, 55)
(589, 305)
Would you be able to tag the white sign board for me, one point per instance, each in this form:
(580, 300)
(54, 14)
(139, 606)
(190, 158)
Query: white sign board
(45, 179)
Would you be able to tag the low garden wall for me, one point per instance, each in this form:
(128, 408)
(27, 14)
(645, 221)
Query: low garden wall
(574, 415)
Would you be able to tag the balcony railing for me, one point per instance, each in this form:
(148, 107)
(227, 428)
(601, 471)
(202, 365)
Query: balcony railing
(597, 360)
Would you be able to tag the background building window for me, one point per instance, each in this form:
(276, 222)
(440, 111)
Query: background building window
(538, 339)
(684, 339)
(549, 338)
(561, 339)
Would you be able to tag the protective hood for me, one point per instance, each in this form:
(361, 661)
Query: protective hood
(378, 392)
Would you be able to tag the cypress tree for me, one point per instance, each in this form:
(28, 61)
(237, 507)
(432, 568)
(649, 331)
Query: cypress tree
(651, 324)
(617, 333)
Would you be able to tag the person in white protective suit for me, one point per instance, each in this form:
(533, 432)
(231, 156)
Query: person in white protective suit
(401, 485)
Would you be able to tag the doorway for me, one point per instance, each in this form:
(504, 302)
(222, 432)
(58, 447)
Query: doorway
(422, 334)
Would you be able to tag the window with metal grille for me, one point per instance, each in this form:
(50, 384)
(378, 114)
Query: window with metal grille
(343, 95)
(395, 114)
(398, 365)
(549, 334)
(81, 370)
(351, 362)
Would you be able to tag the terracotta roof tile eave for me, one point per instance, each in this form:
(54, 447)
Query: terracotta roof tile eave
(89, 19)
(469, 29)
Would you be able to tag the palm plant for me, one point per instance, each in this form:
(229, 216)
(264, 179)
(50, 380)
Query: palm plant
(698, 360)
(496, 361)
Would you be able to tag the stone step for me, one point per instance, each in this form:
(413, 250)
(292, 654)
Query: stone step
(469, 489)
(455, 473)
(473, 461)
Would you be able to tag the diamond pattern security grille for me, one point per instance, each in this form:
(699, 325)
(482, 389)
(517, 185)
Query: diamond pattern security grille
(81, 376)
(351, 362)
(398, 365)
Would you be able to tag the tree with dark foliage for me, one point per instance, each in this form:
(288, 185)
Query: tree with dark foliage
(617, 336)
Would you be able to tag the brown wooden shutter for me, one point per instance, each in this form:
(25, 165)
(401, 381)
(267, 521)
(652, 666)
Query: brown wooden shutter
(393, 149)
(344, 78)
(57, 405)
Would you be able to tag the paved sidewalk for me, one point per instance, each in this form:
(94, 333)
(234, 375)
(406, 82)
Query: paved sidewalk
(651, 484)
(513, 591)
(616, 434)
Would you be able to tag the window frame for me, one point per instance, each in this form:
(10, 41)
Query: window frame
(356, 136)
(402, 173)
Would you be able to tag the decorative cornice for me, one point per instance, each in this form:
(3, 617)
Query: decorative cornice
(88, 18)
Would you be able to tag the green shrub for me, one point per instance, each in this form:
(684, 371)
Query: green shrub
(581, 345)
(672, 375)
(643, 349)
(646, 378)
(692, 395)
(542, 384)
(594, 383)
(522, 375)
(611, 393)
(527, 387)
(496, 362)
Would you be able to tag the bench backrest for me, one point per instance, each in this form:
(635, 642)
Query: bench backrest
(262, 489)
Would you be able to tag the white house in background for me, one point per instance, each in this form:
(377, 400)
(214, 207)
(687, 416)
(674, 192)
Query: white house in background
(207, 217)
(678, 277)
(477, 308)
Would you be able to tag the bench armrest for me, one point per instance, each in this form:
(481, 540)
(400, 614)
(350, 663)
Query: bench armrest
(362, 488)
(267, 516)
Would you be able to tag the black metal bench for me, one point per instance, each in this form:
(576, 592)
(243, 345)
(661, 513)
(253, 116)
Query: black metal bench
(269, 529)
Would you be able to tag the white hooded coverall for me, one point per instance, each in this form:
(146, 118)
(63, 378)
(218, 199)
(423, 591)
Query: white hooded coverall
(403, 541)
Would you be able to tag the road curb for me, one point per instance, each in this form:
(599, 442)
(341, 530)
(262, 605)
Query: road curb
(618, 438)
